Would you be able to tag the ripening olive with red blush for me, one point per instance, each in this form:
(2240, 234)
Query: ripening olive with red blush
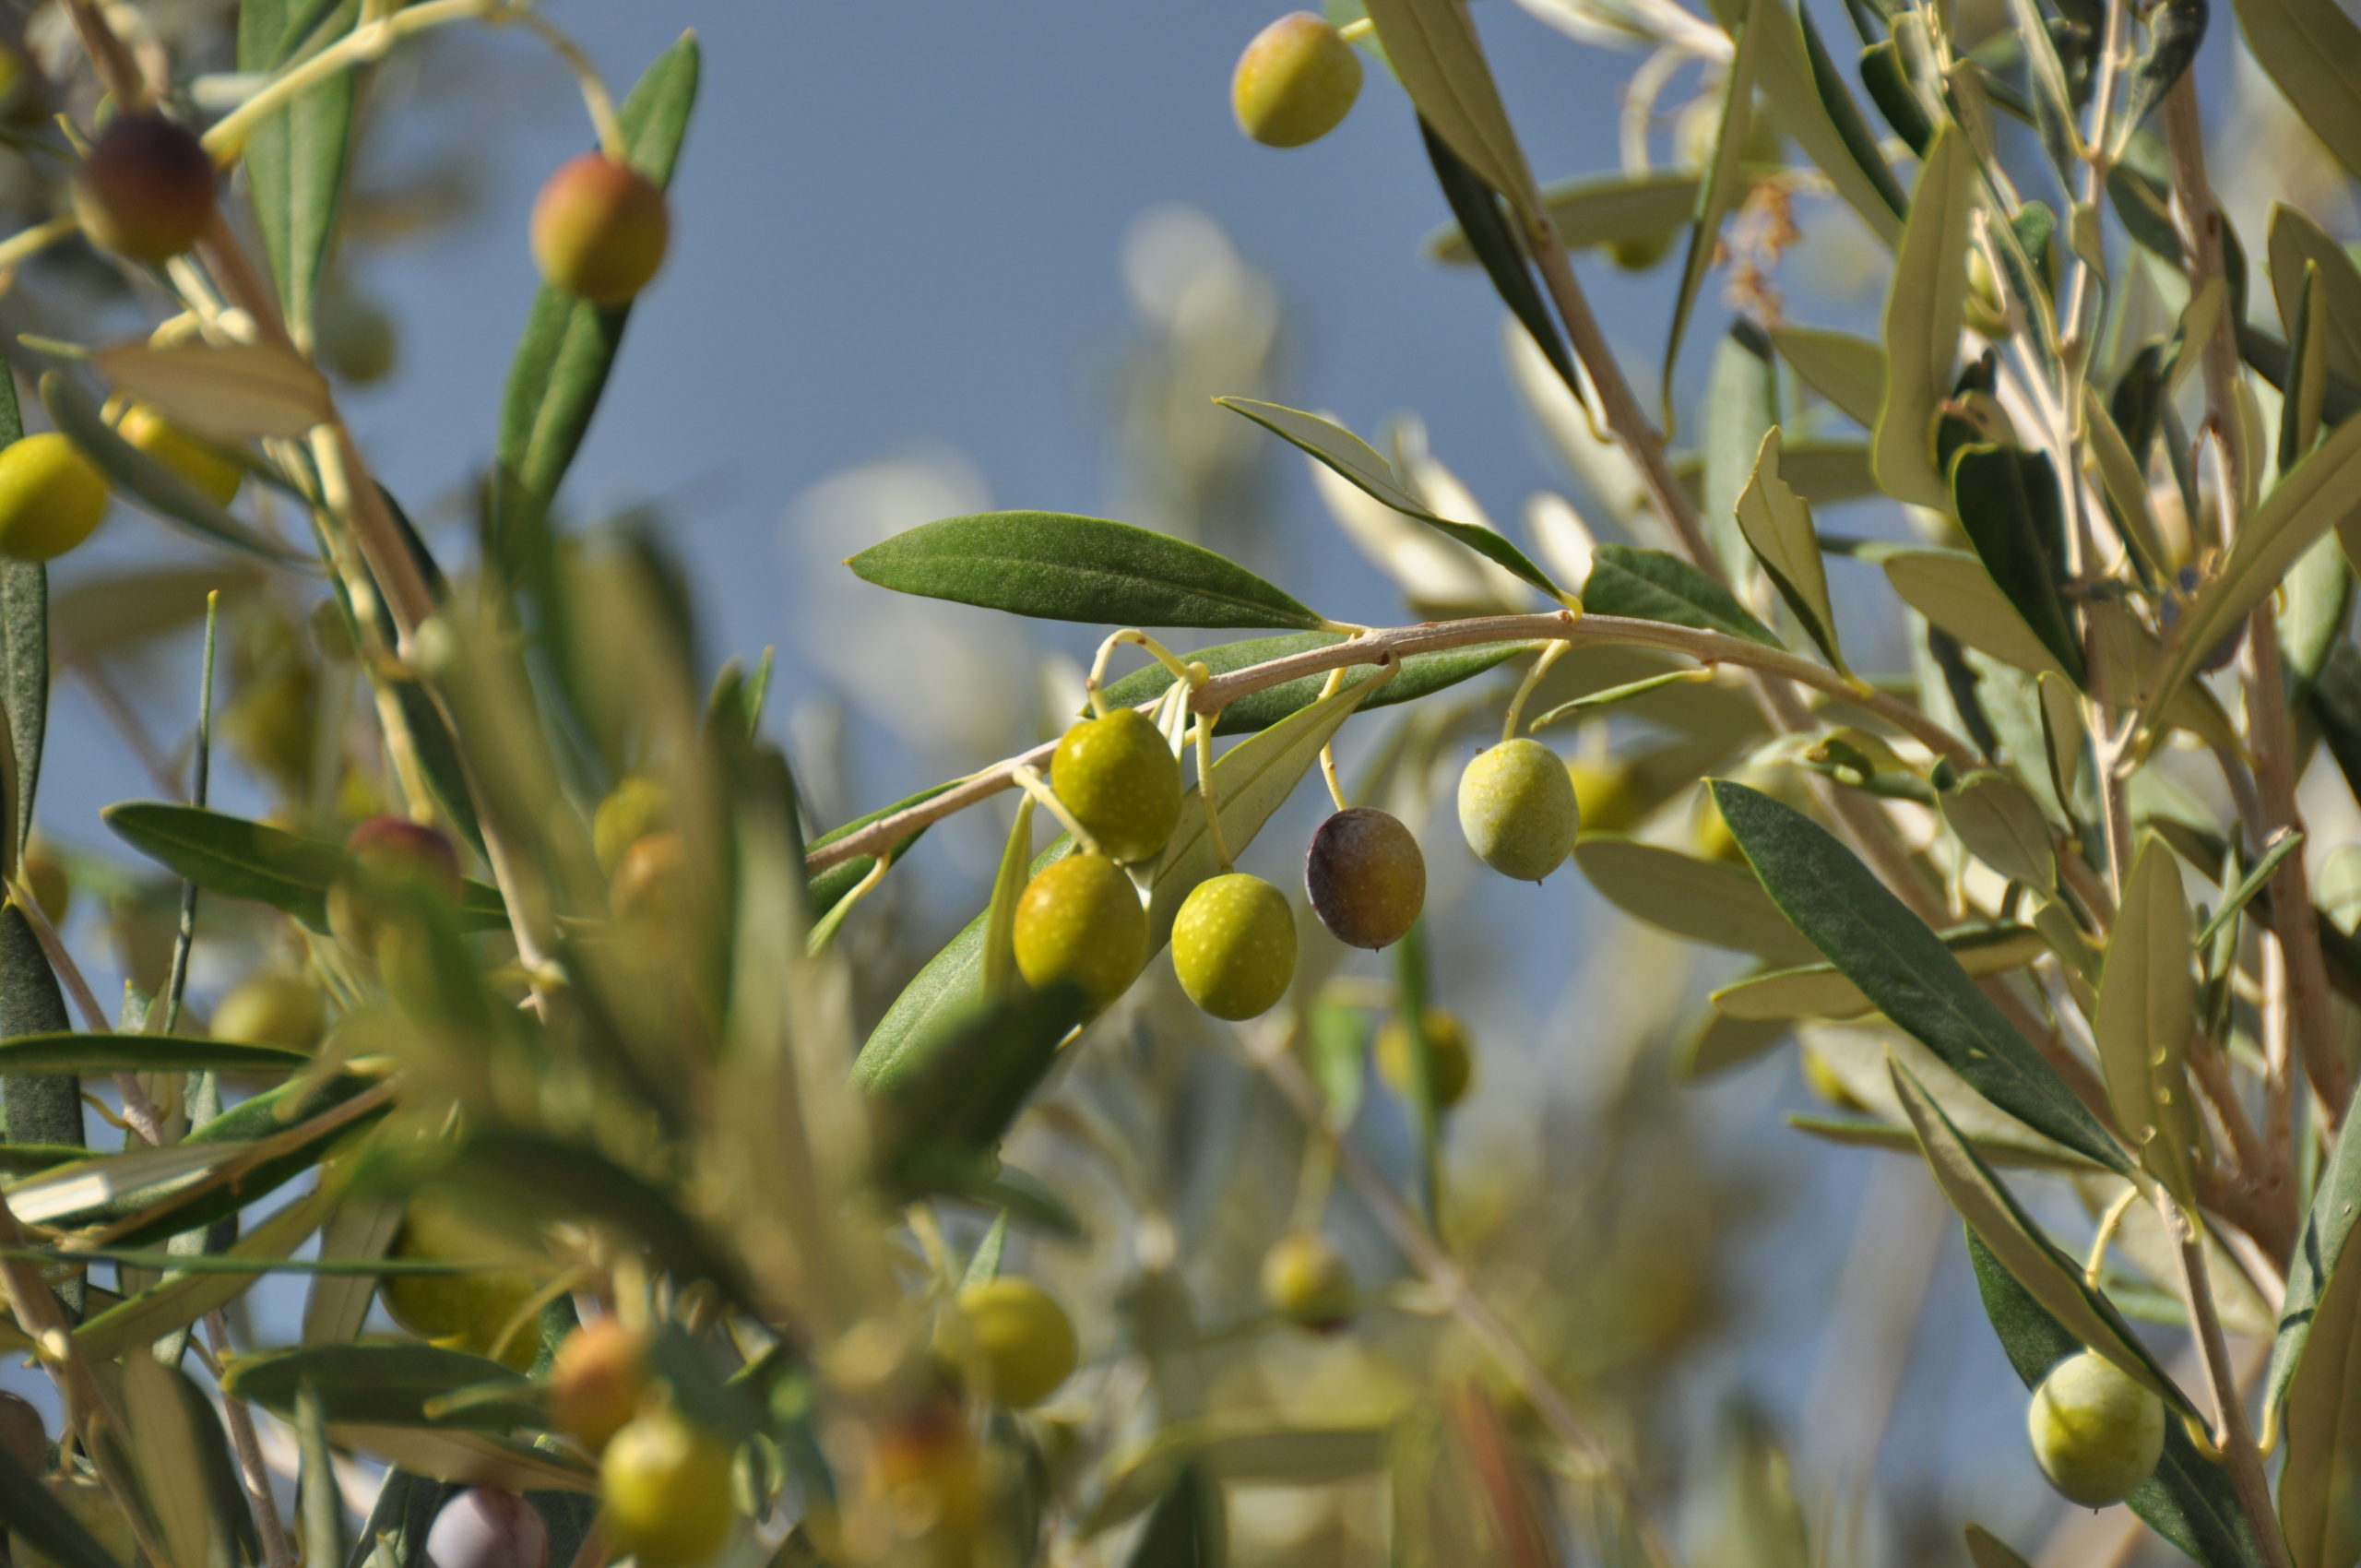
(1365, 877)
(600, 228)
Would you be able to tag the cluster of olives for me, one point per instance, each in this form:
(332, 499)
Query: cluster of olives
(1080, 923)
(1295, 82)
(2097, 1432)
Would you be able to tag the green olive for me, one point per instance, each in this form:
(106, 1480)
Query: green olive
(1080, 923)
(1014, 1340)
(199, 464)
(1641, 252)
(1306, 1282)
(147, 189)
(1117, 776)
(1233, 946)
(272, 1009)
(1365, 877)
(2097, 1432)
(639, 807)
(50, 497)
(666, 1487)
(1450, 1063)
(1295, 82)
(458, 1311)
(1517, 808)
(599, 228)
(270, 723)
(1607, 794)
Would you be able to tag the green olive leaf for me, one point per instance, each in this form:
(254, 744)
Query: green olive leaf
(239, 859)
(2322, 490)
(1597, 210)
(1986, 1550)
(2146, 1014)
(1815, 108)
(1998, 822)
(1924, 309)
(1056, 566)
(1778, 529)
(1365, 467)
(1956, 595)
(2309, 48)
(1434, 51)
(2031, 1259)
(2007, 504)
(1000, 916)
(2336, 1205)
(2323, 1408)
(295, 159)
(41, 1522)
(68, 1052)
(1724, 178)
(183, 1298)
(1904, 968)
(1847, 371)
(1699, 899)
(1651, 584)
(2295, 239)
(1822, 991)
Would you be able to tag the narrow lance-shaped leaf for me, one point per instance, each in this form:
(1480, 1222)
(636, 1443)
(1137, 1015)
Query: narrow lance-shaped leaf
(2147, 1011)
(2294, 239)
(1778, 529)
(2322, 490)
(1056, 566)
(1433, 49)
(1903, 968)
(24, 666)
(2008, 503)
(1847, 371)
(569, 344)
(1718, 191)
(1924, 309)
(1000, 924)
(1801, 94)
(295, 159)
(1485, 229)
(1650, 584)
(1741, 405)
(2336, 1205)
(2002, 825)
(1355, 461)
(1958, 596)
(2031, 1259)
(1596, 210)
(2309, 48)
(2323, 1406)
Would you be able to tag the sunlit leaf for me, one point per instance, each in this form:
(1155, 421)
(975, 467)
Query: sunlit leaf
(1924, 308)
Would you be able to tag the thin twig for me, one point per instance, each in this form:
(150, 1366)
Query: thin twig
(1382, 647)
(2231, 1434)
(277, 1550)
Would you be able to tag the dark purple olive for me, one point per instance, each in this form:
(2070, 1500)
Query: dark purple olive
(22, 1434)
(1365, 877)
(484, 1528)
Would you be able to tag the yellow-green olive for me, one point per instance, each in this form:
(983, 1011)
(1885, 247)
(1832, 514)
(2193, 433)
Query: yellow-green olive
(272, 1009)
(1117, 776)
(1517, 808)
(1305, 1281)
(1233, 946)
(1451, 1064)
(666, 1486)
(2097, 1432)
(1295, 82)
(50, 497)
(1079, 924)
(1016, 1343)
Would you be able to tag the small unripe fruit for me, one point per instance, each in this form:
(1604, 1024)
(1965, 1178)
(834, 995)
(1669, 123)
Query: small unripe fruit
(2097, 1432)
(1119, 779)
(1517, 808)
(1606, 796)
(1233, 946)
(1306, 1282)
(458, 1311)
(599, 228)
(1450, 1063)
(1642, 252)
(666, 1485)
(147, 189)
(50, 497)
(270, 724)
(639, 807)
(595, 1382)
(52, 885)
(1080, 923)
(272, 1009)
(1295, 82)
(203, 469)
(1365, 877)
(23, 1436)
(651, 881)
(485, 1529)
(388, 853)
(355, 337)
(1012, 1338)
